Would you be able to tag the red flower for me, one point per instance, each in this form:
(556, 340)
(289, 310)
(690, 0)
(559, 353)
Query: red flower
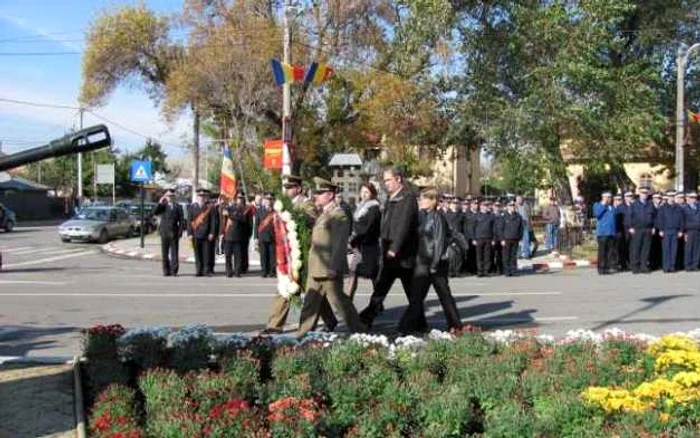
(103, 422)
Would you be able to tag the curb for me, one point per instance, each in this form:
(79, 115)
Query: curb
(79, 403)
(557, 266)
(114, 251)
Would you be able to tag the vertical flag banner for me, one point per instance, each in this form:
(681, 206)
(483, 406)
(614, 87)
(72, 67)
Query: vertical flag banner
(285, 73)
(693, 117)
(228, 178)
(273, 154)
(318, 73)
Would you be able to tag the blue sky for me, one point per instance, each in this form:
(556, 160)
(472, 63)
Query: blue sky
(28, 27)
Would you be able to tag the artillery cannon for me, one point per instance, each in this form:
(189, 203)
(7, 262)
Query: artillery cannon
(85, 140)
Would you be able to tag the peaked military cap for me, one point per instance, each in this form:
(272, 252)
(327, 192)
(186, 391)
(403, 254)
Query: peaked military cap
(680, 195)
(692, 195)
(292, 181)
(323, 186)
(606, 195)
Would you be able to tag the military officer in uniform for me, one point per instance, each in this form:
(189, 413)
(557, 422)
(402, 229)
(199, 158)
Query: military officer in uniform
(200, 231)
(691, 220)
(641, 229)
(669, 222)
(455, 220)
(510, 233)
(233, 233)
(215, 217)
(280, 307)
(483, 238)
(172, 224)
(265, 236)
(328, 263)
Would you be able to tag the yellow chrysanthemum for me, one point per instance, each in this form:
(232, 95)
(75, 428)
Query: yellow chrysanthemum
(673, 343)
(687, 379)
(686, 359)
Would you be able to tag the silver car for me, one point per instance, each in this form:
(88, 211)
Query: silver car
(97, 224)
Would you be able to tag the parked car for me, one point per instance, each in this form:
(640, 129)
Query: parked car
(97, 224)
(8, 220)
(151, 222)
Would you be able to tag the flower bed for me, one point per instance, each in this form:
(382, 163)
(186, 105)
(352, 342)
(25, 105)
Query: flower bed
(500, 384)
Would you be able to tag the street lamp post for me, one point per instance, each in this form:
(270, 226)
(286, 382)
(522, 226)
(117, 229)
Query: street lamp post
(681, 62)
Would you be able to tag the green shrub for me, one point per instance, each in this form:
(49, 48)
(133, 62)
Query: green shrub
(191, 348)
(146, 348)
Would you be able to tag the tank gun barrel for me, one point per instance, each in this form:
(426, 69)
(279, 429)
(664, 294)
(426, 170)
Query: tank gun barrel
(85, 140)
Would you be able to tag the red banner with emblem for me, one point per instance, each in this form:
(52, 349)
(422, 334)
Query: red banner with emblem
(272, 158)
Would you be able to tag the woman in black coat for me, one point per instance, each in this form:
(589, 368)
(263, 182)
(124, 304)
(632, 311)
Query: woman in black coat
(432, 268)
(365, 237)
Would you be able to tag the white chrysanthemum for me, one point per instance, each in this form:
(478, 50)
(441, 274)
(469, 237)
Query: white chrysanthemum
(296, 265)
(438, 335)
(292, 226)
(286, 216)
(292, 288)
(296, 254)
(278, 206)
(292, 236)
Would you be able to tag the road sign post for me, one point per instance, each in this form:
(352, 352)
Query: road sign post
(141, 172)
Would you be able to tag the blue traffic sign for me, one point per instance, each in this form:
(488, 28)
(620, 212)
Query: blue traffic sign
(141, 171)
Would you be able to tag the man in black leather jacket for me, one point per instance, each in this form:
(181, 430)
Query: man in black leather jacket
(399, 242)
(431, 268)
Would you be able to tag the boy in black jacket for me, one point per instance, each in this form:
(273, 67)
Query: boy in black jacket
(483, 232)
(510, 233)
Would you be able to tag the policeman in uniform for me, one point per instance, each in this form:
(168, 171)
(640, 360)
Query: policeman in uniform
(200, 231)
(656, 252)
(468, 223)
(217, 209)
(497, 253)
(669, 222)
(483, 238)
(328, 263)
(691, 218)
(280, 307)
(455, 220)
(265, 235)
(510, 232)
(172, 224)
(641, 229)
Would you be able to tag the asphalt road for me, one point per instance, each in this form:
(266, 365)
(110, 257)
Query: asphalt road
(50, 290)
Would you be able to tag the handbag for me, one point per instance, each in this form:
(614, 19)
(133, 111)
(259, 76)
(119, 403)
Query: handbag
(354, 259)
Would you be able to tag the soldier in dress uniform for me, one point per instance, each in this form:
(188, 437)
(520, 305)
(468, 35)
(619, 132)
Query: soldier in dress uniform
(249, 210)
(497, 253)
(455, 220)
(469, 219)
(234, 235)
(510, 232)
(265, 236)
(280, 307)
(328, 263)
(691, 220)
(641, 229)
(483, 238)
(656, 251)
(217, 209)
(172, 225)
(200, 231)
(669, 222)
(680, 254)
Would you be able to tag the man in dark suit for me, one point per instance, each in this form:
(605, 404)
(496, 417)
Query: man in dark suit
(200, 231)
(265, 235)
(215, 217)
(484, 238)
(172, 224)
(399, 242)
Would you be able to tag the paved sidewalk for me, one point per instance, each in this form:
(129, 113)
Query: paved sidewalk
(130, 248)
(36, 401)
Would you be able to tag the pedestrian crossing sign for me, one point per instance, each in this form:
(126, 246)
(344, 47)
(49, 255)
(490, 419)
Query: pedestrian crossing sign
(141, 171)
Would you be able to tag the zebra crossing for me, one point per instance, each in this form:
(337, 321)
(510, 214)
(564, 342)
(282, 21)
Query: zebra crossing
(19, 255)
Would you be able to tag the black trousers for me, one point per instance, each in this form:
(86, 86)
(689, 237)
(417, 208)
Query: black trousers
(245, 264)
(692, 250)
(389, 271)
(233, 251)
(201, 255)
(670, 250)
(170, 253)
(469, 265)
(497, 258)
(509, 253)
(606, 248)
(656, 252)
(211, 255)
(483, 256)
(267, 258)
(621, 251)
(413, 319)
(640, 246)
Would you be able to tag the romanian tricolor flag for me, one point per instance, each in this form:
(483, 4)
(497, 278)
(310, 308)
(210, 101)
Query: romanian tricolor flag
(286, 73)
(229, 186)
(693, 117)
(318, 73)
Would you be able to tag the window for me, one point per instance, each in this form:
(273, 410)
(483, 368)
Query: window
(646, 180)
(339, 173)
(352, 187)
